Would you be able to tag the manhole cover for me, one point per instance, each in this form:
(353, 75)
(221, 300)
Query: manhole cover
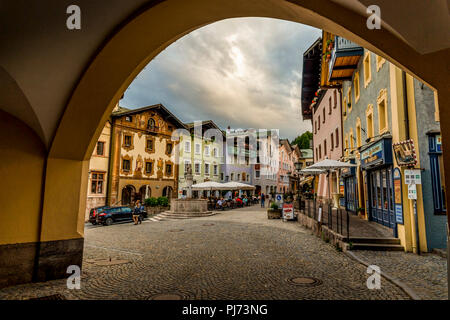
(176, 230)
(305, 281)
(52, 297)
(167, 296)
(208, 224)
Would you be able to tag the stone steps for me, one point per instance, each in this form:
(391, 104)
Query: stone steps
(170, 216)
(372, 240)
(377, 247)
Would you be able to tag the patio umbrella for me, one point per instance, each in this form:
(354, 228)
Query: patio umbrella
(208, 185)
(232, 185)
(329, 165)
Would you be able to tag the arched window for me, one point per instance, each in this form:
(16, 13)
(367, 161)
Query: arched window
(151, 124)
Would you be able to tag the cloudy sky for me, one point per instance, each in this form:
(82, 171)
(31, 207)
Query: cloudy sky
(243, 73)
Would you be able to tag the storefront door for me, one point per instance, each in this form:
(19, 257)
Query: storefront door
(350, 194)
(381, 197)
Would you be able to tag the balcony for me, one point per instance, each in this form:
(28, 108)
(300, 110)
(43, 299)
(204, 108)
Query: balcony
(344, 59)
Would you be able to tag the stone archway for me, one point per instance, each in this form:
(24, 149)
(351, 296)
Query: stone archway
(108, 69)
(129, 195)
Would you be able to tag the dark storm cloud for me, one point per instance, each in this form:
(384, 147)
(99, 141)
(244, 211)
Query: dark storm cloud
(240, 72)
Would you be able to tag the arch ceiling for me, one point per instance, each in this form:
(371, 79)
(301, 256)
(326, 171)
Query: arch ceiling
(47, 71)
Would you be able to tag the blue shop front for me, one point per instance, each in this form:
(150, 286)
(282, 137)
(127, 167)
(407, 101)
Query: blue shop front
(376, 162)
(348, 176)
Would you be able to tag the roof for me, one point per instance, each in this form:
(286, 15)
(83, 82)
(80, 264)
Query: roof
(307, 153)
(206, 125)
(285, 142)
(311, 76)
(157, 107)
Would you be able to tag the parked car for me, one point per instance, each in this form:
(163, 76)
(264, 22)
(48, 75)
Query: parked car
(117, 214)
(94, 212)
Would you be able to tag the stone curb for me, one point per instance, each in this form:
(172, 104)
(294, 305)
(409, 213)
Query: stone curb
(397, 282)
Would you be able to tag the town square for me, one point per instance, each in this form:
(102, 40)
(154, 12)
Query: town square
(211, 150)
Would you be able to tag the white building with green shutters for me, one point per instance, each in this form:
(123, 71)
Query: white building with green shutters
(202, 149)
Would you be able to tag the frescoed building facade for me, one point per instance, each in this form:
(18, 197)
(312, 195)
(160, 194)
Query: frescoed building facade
(142, 155)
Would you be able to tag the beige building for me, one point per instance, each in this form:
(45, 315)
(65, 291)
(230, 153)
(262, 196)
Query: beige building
(98, 171)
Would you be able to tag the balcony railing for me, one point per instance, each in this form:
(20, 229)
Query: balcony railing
(344, 59)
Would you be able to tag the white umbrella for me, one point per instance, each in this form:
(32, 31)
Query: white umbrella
(232, 185)
(329, 165)
(311, 172)
(209, 185)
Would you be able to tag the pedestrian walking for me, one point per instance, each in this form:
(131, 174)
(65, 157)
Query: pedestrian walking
(263, 199)
(137, 212)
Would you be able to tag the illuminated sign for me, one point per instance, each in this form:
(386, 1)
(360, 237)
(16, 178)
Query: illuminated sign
(405, 153)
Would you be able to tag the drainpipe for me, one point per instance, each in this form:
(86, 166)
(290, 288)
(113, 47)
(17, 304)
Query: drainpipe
(405, 106)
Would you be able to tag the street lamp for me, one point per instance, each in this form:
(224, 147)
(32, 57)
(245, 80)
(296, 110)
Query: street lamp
(298, 167)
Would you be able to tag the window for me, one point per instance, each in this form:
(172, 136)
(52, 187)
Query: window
(206, 168)
(257, 174)
(335, 98)
(369, 120)
(238, 177)
(367, 72)
(337, 137)
(126, 165)
(344, 108)
(320, 151)
(318, 128)
(358, 132)
(168, 169)
(329, 106)
(216, 169)
(151, 124)
(356, 86)
(315, 126)
(325, 147)
(148, 167)
(197, 148)
(248, 178)
(332, 141)
(215, 152)
(232, 177)
(149, 145)
(382, 111)
(221, 176)
(127, 141)
(346, 145)
(352, 144)
(97, 182)
(207, 151)
(244, 177)
(100, 148)
(129, 118)
(323, 112)
(187, 163)
(380, 61)
(349, 100)
(197, 168)
(437, 173)
(187, 146)
(169, 148)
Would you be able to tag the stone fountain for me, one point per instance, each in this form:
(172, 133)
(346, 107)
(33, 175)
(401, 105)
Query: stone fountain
(188, 207)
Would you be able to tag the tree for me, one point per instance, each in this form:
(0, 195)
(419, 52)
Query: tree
(303, 140)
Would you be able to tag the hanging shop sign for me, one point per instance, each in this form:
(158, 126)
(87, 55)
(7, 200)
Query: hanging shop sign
(377, 154)
(413, 177)
(412, 192)
(405, 153)
(398, 203)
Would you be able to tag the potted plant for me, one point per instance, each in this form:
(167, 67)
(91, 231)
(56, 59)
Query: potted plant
(274, 212)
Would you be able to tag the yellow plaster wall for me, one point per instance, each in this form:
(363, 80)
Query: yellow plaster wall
(21, 171)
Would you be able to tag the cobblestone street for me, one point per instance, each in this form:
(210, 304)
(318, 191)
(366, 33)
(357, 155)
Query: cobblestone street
(237, 254)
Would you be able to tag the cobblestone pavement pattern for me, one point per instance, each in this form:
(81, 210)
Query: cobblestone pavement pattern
(426, 274)
(237, 254)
